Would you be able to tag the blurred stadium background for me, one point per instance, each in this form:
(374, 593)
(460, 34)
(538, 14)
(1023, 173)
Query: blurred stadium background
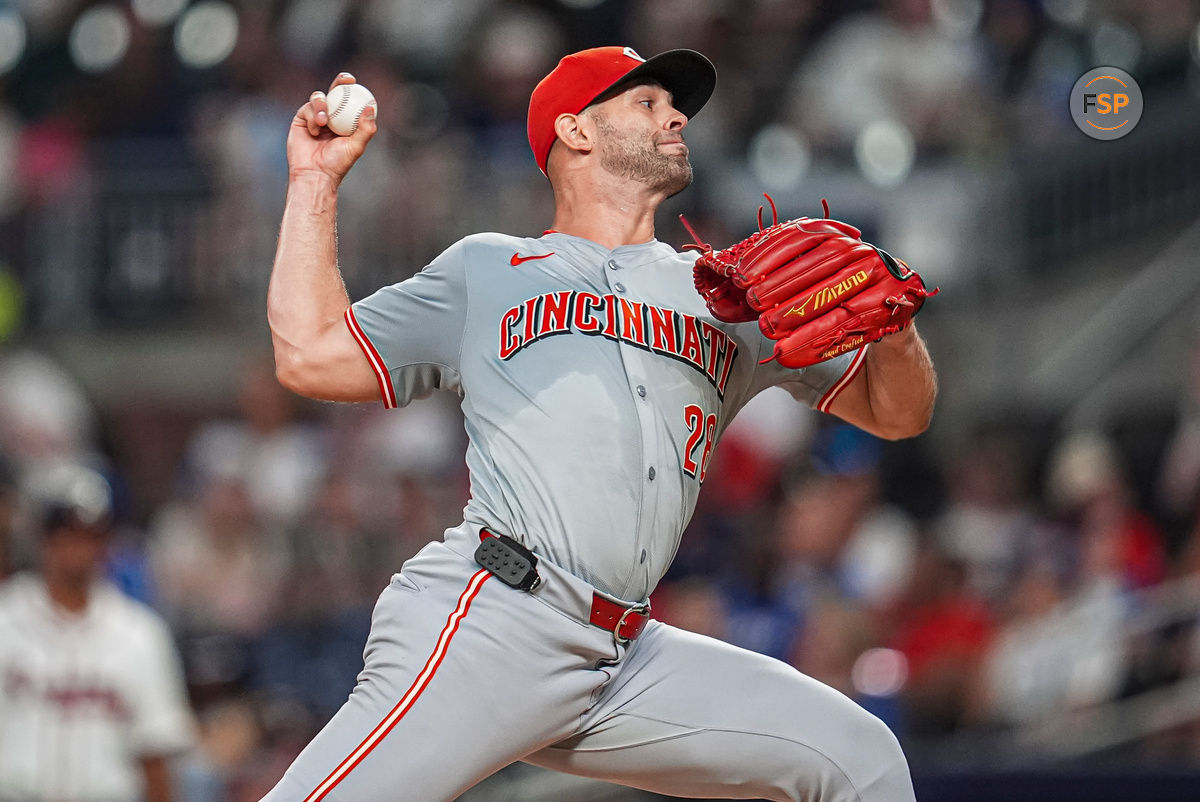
(1017, 592)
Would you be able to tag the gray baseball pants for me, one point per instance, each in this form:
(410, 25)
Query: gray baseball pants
(464, 675)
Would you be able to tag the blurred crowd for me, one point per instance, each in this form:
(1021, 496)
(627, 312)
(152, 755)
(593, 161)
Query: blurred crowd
(1010, 577)
(931, 102)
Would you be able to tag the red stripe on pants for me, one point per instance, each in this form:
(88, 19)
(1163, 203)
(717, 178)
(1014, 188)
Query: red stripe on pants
(410, 696)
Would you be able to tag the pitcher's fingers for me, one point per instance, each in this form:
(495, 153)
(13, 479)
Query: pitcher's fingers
(342, 78)
(320, 112)
(303, 116)
(366, 125)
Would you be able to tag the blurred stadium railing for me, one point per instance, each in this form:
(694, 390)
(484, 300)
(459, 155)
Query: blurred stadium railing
(1139, 323)
(1068, 201)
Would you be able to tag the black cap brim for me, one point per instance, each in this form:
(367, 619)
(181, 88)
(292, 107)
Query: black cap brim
(686, 74)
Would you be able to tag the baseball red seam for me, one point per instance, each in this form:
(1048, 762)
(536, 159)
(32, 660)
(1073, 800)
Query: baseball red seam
(410, 696)
(847, 377)
(341, 104)
(381, 372)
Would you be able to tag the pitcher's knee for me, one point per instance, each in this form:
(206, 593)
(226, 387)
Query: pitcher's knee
(887, 776)
(866, 762)
(855, 758)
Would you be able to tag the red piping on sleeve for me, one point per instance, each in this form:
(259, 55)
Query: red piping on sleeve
(844, 382)
(386, 391)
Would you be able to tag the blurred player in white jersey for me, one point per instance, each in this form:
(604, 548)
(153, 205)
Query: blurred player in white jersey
(92, 700)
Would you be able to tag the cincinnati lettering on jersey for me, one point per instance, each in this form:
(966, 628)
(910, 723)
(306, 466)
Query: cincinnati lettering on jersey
(678, 335)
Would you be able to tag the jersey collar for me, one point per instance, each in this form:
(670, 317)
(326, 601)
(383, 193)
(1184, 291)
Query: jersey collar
(586, 245)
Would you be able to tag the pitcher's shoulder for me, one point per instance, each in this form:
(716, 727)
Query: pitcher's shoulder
(666, 253)
(493, 249)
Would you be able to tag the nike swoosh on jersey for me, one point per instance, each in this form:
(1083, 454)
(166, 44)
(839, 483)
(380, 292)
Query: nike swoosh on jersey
(517, 258)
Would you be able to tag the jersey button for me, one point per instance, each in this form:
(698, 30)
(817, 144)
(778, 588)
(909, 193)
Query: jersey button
(619, 287)
(641, 391)
(651, 474)
(642, 559)
(612, 265)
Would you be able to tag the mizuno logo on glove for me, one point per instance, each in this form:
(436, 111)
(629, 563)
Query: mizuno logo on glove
(827, 295)
(813, 285)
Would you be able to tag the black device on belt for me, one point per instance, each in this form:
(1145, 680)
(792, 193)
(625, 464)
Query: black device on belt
(508, 561)
(516, 566)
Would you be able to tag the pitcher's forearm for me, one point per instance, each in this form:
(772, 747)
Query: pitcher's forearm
(902, 383)
(893, 395)
(306, 295)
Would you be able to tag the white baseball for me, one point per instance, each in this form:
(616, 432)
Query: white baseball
(346, 105)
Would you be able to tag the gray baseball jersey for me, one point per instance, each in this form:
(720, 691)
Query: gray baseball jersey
(595, 385)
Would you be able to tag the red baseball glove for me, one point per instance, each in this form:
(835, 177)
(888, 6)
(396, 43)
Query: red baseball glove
(815, 287)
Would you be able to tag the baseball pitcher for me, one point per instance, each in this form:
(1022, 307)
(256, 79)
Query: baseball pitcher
(598, 368)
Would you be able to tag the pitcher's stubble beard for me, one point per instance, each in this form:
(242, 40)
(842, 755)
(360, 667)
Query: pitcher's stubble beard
(628, 155)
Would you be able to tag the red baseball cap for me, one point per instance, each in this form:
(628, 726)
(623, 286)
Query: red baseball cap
(581, 78)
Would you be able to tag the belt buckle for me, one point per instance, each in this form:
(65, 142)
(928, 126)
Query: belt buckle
(640, 610)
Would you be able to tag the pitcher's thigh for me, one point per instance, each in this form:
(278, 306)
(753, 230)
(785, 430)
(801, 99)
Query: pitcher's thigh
(436, 707)
(692, 716)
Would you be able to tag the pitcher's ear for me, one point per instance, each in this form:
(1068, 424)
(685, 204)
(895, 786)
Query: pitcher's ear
(575, 132)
